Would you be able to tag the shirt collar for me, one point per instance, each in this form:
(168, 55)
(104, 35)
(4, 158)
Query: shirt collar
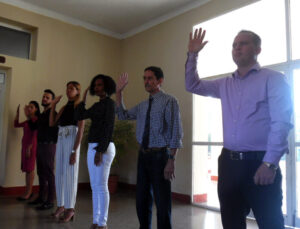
(256, 67)
(157, 95)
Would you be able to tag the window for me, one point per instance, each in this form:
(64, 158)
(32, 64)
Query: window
(295, 31)
(271, 20)
(14, 42)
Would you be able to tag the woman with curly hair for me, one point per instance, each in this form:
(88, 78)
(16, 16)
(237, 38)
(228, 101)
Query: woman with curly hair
(101, 149)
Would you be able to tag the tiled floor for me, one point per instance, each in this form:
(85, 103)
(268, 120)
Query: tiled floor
(122, 215)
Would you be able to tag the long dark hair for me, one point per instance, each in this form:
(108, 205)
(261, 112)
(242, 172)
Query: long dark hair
(37, 112)
(33, 125)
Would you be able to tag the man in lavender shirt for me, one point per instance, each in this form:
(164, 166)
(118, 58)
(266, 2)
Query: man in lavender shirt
(256, 109)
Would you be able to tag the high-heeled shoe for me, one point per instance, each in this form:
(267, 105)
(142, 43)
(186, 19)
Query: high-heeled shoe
(102, 227)
(69, 215)
(59, 211)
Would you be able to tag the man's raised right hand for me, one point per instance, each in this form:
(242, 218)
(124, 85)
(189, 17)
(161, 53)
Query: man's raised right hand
(122, 82)
(196, 43)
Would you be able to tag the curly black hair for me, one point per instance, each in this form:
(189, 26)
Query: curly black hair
(109, 84)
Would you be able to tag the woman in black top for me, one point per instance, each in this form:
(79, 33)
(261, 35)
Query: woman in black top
(101, 150)
(67, 151)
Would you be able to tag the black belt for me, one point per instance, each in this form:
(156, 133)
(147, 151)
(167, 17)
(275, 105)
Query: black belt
(153, 149)
(242, 155)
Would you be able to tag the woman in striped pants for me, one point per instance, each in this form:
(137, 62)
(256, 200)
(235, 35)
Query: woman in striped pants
(67, 152)
(101, 149)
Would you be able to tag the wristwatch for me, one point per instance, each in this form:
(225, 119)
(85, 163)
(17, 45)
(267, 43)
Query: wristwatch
(271, 166)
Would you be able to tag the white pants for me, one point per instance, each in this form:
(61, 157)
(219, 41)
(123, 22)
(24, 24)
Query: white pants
(99, 178)
(66, 175)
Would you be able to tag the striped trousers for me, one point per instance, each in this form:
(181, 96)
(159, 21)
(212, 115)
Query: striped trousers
(66, 175)
(99, 179)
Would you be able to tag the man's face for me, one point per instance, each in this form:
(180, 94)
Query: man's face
(244, 51)
(152, 85)
(47, 99)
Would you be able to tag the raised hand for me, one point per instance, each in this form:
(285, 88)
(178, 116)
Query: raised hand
(56, 100)
(85, 94)
(196, 43)
(18, 113)
(122, 82)
(26, 110)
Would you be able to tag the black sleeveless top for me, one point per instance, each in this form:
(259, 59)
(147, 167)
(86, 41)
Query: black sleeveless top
(67, 117)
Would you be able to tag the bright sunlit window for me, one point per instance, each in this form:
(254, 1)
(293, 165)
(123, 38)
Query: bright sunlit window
(266, 18)
(295, 27)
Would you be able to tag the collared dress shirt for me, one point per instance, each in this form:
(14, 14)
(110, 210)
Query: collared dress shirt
(256, 108)
(165, 121)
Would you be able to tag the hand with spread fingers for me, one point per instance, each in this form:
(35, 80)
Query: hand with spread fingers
(98, 158)
(197, 43)
(122, 82)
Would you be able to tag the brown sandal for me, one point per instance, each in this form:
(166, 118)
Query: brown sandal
(58, 212)
(69, 215)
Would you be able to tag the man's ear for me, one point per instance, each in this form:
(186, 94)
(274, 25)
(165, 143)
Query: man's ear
(161, 80)
(258, 50)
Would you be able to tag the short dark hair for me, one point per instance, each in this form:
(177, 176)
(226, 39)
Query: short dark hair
(108, 82)
(50, 92)
(156, 70)
(255, 38)
(35, 103)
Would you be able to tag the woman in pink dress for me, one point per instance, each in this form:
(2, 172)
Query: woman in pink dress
(29, 144)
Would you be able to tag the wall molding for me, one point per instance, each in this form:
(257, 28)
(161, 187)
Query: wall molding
(93, 27)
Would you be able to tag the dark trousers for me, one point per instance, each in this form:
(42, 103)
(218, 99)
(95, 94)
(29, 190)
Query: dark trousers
(45, 171)
(238, 194)
(151, 182)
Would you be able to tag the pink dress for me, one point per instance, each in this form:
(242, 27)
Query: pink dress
(29, 138)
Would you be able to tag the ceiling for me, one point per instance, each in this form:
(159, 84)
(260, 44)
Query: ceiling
(117, 18)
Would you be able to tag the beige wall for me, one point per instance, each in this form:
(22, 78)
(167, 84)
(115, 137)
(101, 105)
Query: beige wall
(165, 45)
(64, 52)
(68, 52)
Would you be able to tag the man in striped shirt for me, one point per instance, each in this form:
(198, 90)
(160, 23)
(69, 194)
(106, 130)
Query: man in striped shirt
(159, 133)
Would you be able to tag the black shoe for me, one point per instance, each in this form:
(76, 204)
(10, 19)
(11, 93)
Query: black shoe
(36, 201)
(45, 206)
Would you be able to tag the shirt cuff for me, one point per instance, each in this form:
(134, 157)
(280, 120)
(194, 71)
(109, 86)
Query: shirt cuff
(193, 55)
(273, 159)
